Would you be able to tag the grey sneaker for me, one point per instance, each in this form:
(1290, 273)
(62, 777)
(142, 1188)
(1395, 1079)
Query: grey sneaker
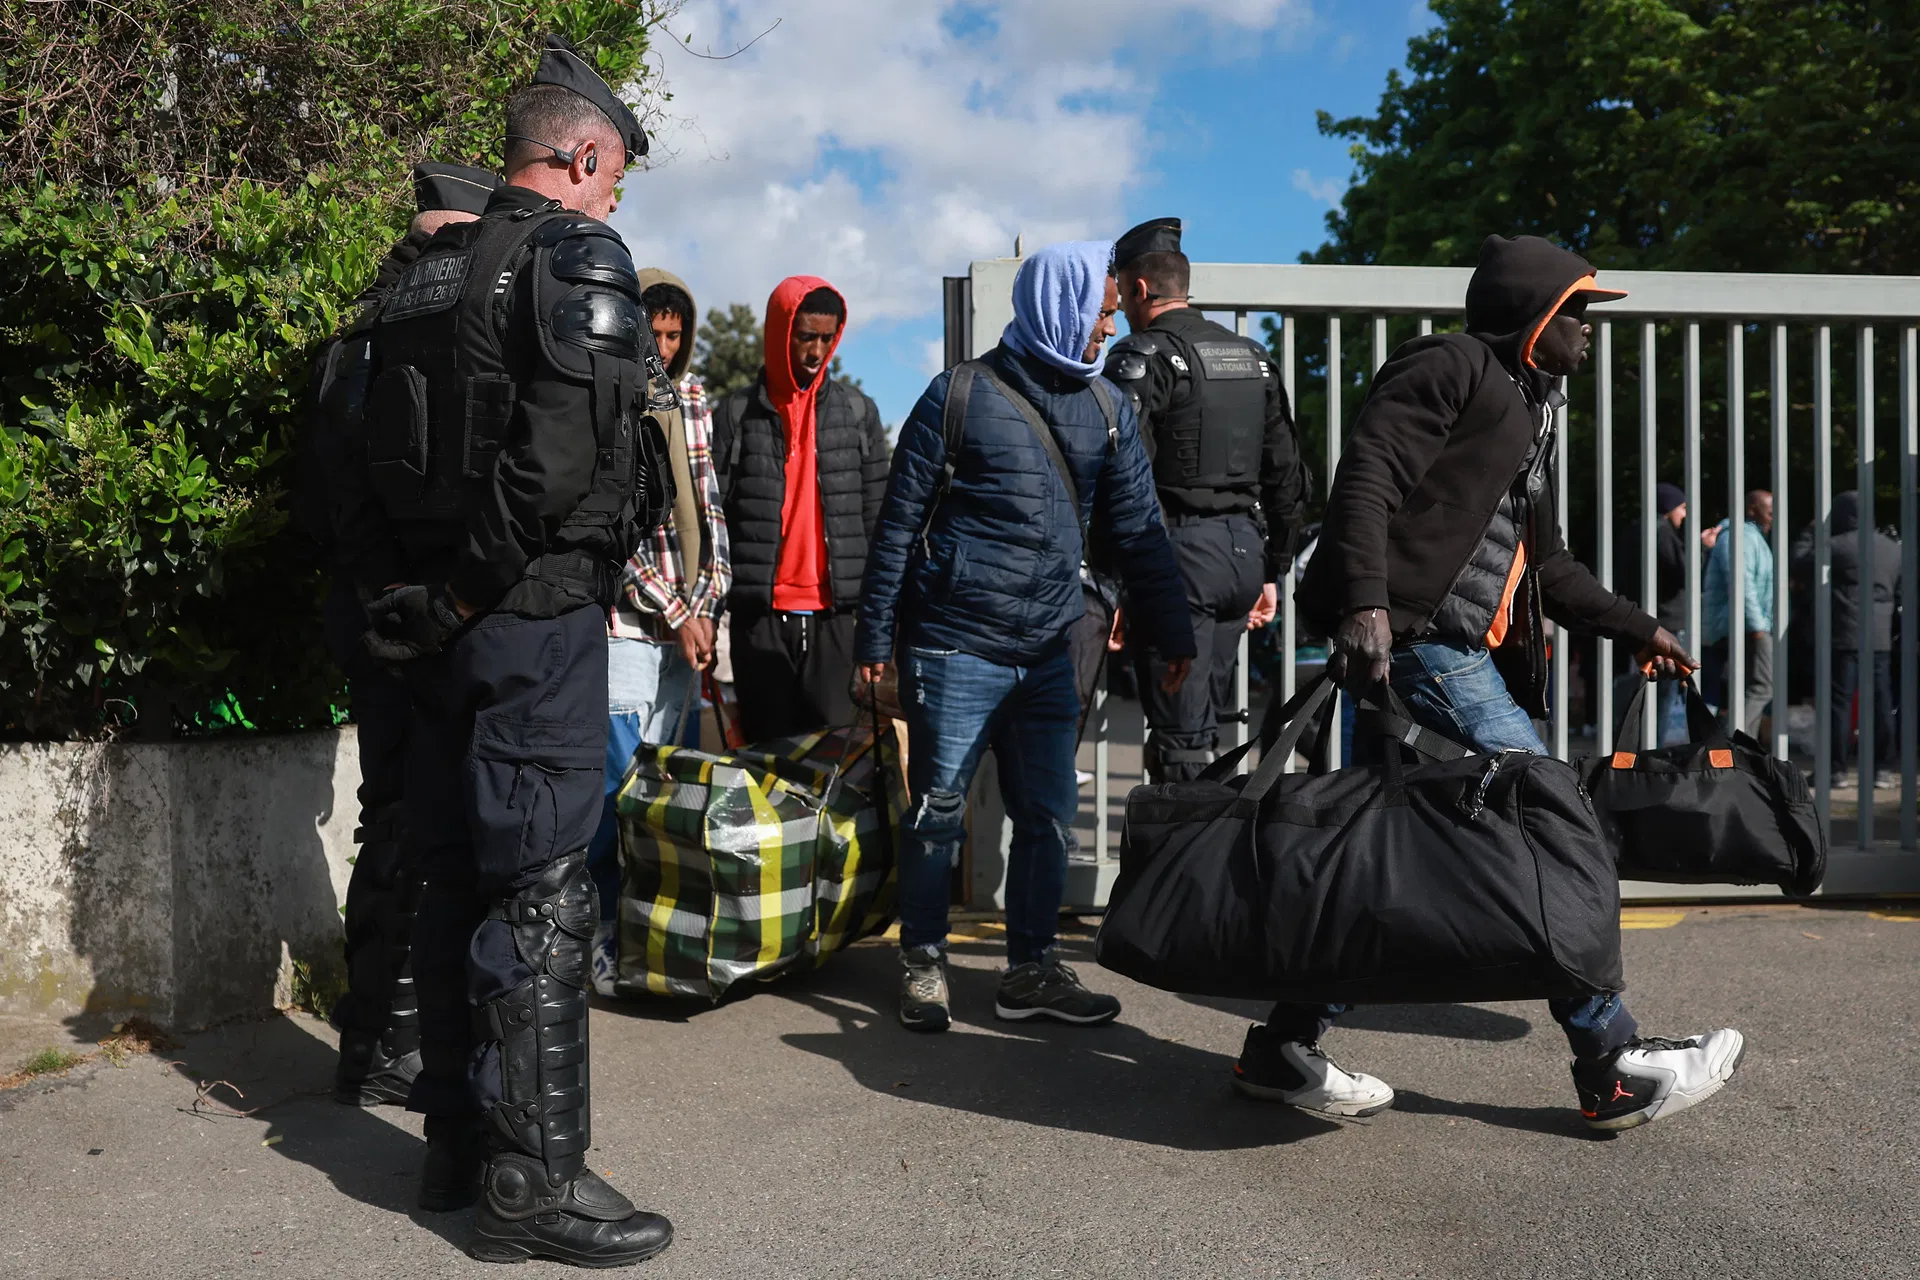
(923, 989)
(1049, 989)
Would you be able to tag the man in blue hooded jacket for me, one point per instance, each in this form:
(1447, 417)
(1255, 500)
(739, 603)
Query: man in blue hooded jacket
(973, 579)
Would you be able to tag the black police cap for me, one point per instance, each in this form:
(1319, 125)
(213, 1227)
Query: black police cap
(460, 187)
(1156, 235)
(562, 65)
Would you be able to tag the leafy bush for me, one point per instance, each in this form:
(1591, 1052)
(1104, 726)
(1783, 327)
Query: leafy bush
(190, 193)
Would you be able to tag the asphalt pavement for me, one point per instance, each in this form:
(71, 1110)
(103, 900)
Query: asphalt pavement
(800, 1132)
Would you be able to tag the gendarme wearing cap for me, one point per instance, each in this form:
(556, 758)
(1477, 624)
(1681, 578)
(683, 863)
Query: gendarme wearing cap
(562, 65)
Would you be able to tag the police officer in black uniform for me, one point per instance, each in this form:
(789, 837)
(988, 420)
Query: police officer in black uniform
(511, 462)
(1218, 428)
(378, 1018)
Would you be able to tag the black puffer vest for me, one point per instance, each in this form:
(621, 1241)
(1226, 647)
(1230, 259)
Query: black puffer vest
(751, 443)
(1467, 612)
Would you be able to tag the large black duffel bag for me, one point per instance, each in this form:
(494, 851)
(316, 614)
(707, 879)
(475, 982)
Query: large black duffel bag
(1481, 877)
(1715, 810)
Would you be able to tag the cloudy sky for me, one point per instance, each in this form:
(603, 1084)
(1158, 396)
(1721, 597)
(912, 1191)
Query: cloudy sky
(885, 144)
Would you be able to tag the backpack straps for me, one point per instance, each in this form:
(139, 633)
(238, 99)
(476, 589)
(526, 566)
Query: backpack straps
(953, 430)
(1110, 413)
(1044, 434)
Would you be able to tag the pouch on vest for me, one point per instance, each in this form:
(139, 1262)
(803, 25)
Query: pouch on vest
(489, 411)
(398, 445)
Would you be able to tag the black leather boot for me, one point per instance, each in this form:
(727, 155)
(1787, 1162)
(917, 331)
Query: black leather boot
(540, 1200)
(456, 1159)
(379, 1016)
(371, 1073)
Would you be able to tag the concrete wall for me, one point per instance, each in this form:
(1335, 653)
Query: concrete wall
(175, 881)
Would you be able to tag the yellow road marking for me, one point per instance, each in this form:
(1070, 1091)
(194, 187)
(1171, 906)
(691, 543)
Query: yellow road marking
(965, 931)
(1905, 914)
(1647, 918)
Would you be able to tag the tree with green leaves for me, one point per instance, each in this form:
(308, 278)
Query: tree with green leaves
(1716, 135)
(1700, 135)
(191, 191)
(728, 352)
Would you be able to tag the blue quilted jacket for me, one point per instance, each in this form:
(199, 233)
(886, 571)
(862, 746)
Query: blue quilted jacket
(998, 574)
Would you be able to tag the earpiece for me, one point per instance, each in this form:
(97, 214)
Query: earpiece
(593, 162)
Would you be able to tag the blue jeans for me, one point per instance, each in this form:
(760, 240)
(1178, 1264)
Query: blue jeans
(1456, 691)
(957, 706)
(647, 693)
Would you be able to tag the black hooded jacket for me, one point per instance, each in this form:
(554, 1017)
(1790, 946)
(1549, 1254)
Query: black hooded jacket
(1444, 434)
(1843, 547)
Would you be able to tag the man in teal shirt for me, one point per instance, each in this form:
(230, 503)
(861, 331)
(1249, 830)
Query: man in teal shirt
(1756, 608)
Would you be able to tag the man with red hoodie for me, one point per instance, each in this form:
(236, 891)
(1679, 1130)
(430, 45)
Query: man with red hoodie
(803, 468)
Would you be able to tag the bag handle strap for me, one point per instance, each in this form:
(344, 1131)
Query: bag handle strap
(1306, 707)
(882, 784)
(1394, 722)
(1702, 726)
(1276, 718)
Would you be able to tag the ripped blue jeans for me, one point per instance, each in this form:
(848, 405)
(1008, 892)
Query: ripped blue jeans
(957, 706)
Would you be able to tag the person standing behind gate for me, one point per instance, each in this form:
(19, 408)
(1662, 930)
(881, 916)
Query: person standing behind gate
(803, 466)
(1440, 547)
(378, 1016)
(1878, 587)
(1219, 432)
(1756, 603)
(660, 633)
(974, 583)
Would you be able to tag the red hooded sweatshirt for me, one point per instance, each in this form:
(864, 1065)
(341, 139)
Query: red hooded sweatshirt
(800, 578)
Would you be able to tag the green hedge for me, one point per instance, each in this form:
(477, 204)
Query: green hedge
(189, 194)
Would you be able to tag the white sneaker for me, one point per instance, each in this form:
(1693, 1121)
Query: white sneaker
(1302, 1075)
(1081, 777)
(606, 957)
(1654, 1077)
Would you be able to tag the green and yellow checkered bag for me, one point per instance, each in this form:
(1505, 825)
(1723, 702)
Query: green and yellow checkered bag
(748, 864)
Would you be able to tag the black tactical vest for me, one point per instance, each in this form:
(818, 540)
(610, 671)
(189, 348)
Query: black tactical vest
(442, 391)
(1210, 433)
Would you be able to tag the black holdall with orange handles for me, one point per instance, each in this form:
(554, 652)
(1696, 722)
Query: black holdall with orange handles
(1717, 809)
(1457, 877)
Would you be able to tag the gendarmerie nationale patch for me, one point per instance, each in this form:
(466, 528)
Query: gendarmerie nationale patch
(1224, 360)
(430, 285)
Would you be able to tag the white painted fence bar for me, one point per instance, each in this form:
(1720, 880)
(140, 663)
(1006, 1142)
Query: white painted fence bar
(1298, 295)
(1562, 708)
(1822, 589)
(1695, 509)
(1864, 756)
(1735, 695)
(1782, 547)
(1603, 548)
(1649, 476)
(1909, 587)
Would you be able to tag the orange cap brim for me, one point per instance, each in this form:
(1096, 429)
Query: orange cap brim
(1585, 284)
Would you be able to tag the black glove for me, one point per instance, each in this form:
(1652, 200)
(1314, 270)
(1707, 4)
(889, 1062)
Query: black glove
(409, 622)
(1362, 653)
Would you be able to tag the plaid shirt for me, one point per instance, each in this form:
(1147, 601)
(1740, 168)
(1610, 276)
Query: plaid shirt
(654, 598)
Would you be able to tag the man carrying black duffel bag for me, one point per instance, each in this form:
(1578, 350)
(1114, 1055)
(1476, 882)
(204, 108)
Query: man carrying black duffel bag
(1439, 556)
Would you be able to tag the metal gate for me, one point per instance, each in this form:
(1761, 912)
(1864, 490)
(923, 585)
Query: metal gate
(1697, 319)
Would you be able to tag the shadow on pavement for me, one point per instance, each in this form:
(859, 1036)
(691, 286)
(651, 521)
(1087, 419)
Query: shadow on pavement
(1557, 1122)
(1116, 1081)
(1446, 1021)
(286, 1075)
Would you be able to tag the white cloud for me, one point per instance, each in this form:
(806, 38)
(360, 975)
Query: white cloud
(867, 142)
(1326, 190)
